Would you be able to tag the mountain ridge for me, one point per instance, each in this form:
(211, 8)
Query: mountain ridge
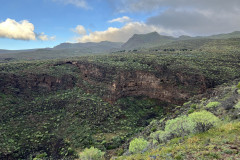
(154, 39)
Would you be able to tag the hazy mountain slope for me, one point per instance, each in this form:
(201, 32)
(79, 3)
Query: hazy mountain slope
(202, 43)
(41, 54)
(235, 34)
(3, 51)
(152, 40)
(91, 47)
(138, 41)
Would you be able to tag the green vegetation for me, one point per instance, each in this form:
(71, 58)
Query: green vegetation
(237, 106)
(138, 145)
(213, 104)
(198, 135)
(203, 120)
(180, 126)
(54, 109)
(69, 118)
(91, 154)
(238, 86)
(217, 143)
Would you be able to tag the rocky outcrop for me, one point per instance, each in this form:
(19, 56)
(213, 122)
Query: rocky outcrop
(12, 83)
(162, 84)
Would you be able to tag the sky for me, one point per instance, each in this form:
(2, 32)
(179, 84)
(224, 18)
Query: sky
(26, 24)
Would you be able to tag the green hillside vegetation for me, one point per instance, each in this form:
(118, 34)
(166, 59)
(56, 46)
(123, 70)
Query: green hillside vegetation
(52, 109)
(211, 134)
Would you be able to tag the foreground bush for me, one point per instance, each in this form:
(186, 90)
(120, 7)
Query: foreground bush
(180, 126)
(138, 145)
(196, 122)
(92, 154)
(203, 120)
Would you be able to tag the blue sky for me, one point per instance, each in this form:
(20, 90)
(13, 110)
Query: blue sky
(56, 21)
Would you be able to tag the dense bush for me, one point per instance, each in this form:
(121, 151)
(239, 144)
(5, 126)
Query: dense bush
(138, 145)
(213, 104)
(92, 154)
(203, 120)
(180, 126)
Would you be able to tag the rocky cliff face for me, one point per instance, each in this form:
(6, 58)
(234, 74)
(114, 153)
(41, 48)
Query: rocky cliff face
(12, 83)
(162, 84)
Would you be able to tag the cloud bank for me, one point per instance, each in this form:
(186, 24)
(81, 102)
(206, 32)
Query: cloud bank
(124, 33)
(195, 17)
(23, 30)
(171, 17)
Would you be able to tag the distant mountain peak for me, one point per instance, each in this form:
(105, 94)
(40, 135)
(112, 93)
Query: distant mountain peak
(146, 40)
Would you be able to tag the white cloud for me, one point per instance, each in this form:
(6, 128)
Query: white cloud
(121, 19)
(22, 30)
(197, 22)
(44, 37)
(77, 3)
(80, 30)
(124, 33)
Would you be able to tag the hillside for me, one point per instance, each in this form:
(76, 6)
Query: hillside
(214, 137)
(91, 47)
(64, 50)
(4, 51)
(143, 42)
(56, 108)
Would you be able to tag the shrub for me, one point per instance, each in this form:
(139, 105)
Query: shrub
(203, 120)
(156, 134)
(138, 145)
(187, 103)
(238, 86)
(40, 156)
(191, 110)
(213, 104)
(237, 106)
(180, 126)
(193, 106)
(164, 136)
(92, 154)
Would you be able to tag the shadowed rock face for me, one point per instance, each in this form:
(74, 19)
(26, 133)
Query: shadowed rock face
(11, 83)
(162, 84)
